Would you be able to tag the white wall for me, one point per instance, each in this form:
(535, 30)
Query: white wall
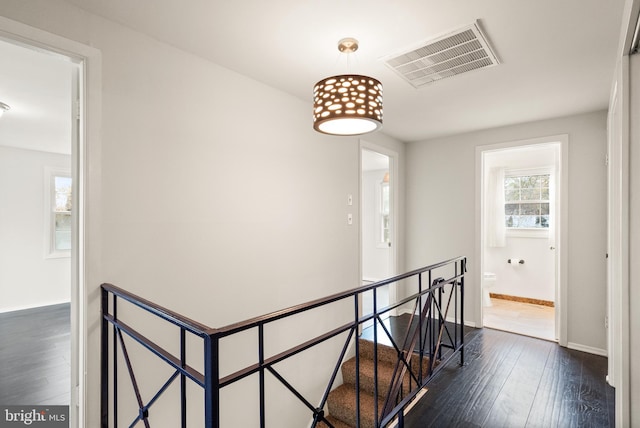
(27, 277)
(219, 202)
(442, 217)
(375, 256)
(533, 279)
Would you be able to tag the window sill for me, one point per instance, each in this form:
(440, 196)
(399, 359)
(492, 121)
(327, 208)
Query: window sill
(527, 233)
(59, 255)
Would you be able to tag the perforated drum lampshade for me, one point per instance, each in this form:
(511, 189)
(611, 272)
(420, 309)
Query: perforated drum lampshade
(347, 105)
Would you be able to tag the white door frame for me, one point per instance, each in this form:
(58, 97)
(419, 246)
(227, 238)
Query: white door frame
(393, 194)
(561, 229)
(86, 179)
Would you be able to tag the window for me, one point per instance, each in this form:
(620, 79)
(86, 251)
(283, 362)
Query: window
(384, 213)
(59, 213)
(527, 201)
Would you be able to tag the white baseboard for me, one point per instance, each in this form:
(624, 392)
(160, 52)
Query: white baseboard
(39, 305)
(588, 349)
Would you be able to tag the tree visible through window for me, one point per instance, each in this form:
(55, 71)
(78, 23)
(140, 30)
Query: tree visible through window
(526, 201)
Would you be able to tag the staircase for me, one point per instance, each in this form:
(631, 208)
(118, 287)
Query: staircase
(342, 400)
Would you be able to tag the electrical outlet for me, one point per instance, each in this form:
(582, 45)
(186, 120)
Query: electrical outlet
(349, 219)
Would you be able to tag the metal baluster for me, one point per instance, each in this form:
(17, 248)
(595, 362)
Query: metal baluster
(212, 381)
(115, 363)
(183, 378)
(261, 373)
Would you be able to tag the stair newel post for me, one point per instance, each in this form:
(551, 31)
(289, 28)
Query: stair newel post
(104, 361)
(454, 289)
(357, 316)
(463, 269)
(375, 356)
(430, 312)
(420, 325)
(115, 362)
(440, 319)
(212, 381)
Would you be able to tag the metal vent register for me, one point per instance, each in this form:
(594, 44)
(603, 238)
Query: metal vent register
(455, 53)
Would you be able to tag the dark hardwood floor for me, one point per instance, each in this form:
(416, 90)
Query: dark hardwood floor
(517, 381)
(35, 352)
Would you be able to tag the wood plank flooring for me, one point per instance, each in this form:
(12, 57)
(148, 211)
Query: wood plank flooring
(512, 381)
(521, 318)
(35, 365)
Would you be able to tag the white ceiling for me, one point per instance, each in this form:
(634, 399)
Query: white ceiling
(557, 57)
(37, 87)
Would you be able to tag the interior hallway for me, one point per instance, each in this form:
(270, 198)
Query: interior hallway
(510, 380)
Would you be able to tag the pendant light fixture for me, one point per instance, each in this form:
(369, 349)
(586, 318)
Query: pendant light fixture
(348, 104)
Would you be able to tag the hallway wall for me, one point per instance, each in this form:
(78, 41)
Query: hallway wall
(444, 215)
(219, 201)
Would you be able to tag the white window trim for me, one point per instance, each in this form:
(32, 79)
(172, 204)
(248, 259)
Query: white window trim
(49, 218)
(523, 232)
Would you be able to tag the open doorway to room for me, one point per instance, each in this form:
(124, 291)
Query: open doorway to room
(377, 210)
(39, 227)
(520, 207)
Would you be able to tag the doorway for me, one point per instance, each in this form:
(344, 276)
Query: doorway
(378, 225)
(40, 312)
(521, 212)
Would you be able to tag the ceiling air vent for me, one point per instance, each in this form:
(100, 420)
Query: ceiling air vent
(463, 50)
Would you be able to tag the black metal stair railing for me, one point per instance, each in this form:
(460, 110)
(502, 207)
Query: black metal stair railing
(435, 333)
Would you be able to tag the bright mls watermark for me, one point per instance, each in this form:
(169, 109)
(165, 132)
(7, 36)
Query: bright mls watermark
(34, 416)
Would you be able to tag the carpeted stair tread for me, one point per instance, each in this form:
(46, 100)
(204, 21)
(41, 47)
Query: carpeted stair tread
(385, 353)
(385, 374)
(342, 405)
(337, 423)
(342, 400)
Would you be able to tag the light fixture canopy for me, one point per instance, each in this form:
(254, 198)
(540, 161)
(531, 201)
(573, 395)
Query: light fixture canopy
(348, 104)
(3, 108)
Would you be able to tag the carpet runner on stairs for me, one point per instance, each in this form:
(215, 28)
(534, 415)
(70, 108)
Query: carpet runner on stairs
(342, 400)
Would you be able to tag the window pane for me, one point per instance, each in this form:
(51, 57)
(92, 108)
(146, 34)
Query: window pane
(544, 195)
(529, 182)
(511, 183)
(530, 194)
(62, 200)
(62, 231)
(527, 221)
(512, 209)
(544, 221)
(530, 209)
(544, 209)
(512, 195)
(385, 198)
(63, 193)
(544, 181)
(509, 221)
